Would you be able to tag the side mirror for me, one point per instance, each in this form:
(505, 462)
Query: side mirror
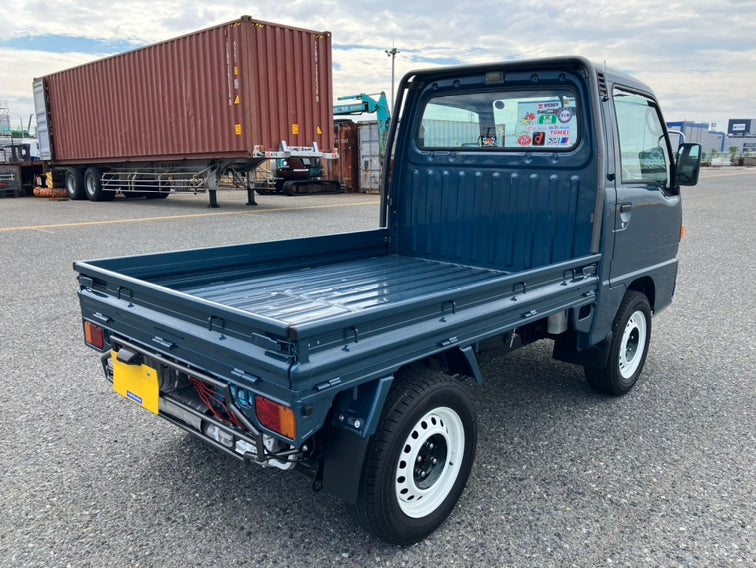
(688, 164)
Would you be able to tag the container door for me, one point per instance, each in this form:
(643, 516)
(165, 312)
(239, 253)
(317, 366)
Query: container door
(370, 157)
(648, 214)
(345, 169)
(43, 128)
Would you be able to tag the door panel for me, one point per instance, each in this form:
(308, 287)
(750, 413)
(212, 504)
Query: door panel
(647, 213)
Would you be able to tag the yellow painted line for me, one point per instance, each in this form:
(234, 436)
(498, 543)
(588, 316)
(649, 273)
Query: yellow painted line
(745, 173)
(188, 216)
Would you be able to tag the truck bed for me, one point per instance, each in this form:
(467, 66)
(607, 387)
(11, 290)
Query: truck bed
(301, 314)
(307, 295)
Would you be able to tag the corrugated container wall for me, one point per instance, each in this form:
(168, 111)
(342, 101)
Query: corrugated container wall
(370, 157)
(346, 168)
(217, 92)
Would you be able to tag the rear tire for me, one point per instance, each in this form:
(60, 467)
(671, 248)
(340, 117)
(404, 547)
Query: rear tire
(93, 186)
(75, 184)
(419, 459)
(631, 334)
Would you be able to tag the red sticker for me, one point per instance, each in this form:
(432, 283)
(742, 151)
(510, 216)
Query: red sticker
(524, 140)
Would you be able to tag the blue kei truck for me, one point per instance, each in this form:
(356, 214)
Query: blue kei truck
(522, 201)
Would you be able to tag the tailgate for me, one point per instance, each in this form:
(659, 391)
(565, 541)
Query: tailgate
(143, 298)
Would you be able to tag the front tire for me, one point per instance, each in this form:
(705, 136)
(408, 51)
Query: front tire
(419, 459)
(631, 334)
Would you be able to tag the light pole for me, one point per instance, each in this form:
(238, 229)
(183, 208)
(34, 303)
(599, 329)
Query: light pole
(392, 54)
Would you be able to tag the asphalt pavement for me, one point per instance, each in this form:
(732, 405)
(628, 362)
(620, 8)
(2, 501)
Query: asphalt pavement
(664, 476)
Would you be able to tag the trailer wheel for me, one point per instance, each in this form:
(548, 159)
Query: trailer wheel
(631, 333)
(93, 186)
(419, 459)
(75, 184)
(162, 194)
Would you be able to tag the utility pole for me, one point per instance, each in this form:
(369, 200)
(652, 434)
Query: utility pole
(392, 54)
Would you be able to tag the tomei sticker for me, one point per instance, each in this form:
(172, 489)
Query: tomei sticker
(559, 136)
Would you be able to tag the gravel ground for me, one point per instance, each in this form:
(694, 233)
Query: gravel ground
(664, 476)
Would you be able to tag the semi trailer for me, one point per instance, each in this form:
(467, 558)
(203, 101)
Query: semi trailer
(183, 114)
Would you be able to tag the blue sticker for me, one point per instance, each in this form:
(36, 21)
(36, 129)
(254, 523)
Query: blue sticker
(135, 398)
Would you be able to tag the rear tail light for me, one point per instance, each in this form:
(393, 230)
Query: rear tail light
(94, 335)
(277, 417)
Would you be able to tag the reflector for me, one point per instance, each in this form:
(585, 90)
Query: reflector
(277, 417)
(94, 335)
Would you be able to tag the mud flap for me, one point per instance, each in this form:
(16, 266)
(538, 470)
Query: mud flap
(565, 349)
(461, 360)
(342, 465)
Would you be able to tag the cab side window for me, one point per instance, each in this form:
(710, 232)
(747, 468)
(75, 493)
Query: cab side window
(644, 154)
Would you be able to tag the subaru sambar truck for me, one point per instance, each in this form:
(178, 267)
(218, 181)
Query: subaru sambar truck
(522, 201)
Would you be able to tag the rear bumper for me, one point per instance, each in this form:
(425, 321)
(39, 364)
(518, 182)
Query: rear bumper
(180, 405)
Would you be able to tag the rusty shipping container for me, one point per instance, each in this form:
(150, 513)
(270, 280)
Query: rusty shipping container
(346, 168)
(215, 93)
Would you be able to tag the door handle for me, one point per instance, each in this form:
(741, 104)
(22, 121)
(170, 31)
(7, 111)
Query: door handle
(626, 212)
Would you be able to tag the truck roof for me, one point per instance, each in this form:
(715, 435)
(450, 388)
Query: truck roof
(568, 61)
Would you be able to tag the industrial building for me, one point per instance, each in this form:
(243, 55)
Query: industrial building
(699, 133)
(741, 134)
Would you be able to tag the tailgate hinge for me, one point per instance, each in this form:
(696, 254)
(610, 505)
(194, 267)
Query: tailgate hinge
(276, 346)
(584, 272)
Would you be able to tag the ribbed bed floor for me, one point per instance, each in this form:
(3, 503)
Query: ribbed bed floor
(305, 295)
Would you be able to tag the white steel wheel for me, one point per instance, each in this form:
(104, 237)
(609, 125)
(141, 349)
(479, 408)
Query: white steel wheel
(632, 348)
(628, 347)
(430, 462)
(419, 459)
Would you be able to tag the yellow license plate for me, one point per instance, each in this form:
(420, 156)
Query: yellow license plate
(138, 383)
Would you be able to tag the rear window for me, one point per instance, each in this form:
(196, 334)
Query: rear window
(501, 120)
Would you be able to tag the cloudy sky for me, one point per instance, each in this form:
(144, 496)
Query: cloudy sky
(699, 56)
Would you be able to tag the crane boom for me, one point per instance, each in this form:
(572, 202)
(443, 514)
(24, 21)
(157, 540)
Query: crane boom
(368, 104)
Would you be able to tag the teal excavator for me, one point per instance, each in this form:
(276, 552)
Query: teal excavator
(368, 104)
